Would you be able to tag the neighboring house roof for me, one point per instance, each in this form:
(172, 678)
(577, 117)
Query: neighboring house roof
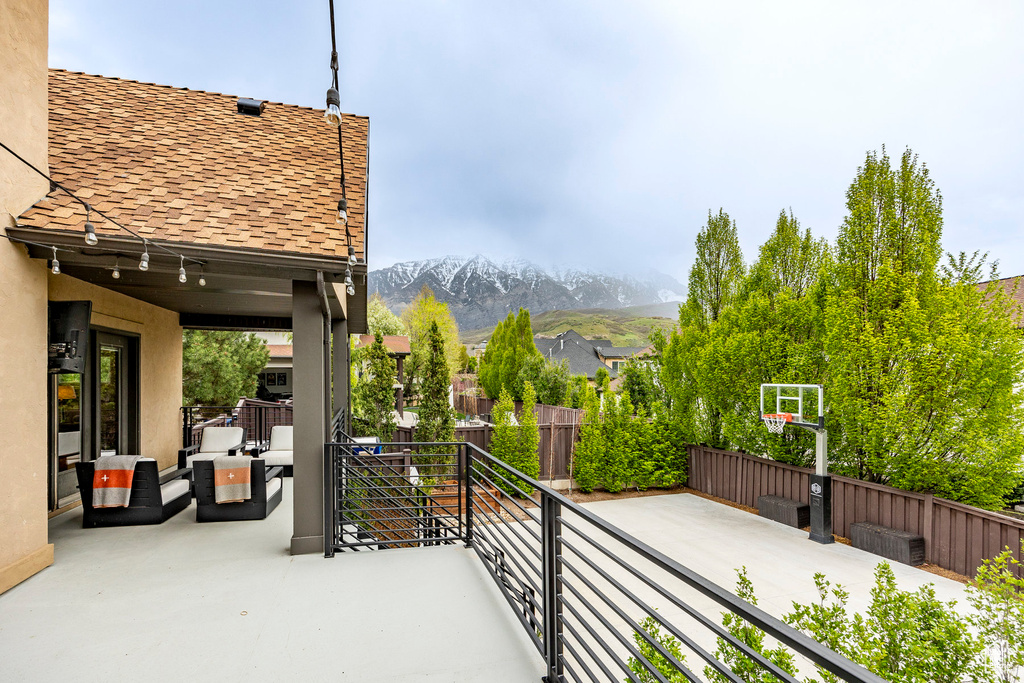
(580, 353)
(1013, 287)
(397, 345)
(182, 165)
(280, 350)
(620, 351)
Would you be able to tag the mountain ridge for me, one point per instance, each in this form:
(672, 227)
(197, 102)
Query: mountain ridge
(480, 292)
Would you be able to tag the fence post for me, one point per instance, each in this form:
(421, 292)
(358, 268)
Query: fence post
(928, 530)
(551, 552)
(467, 492)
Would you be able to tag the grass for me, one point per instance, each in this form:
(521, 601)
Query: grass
(624, 327)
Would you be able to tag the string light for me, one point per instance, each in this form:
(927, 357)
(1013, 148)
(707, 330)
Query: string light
(333, 116)
(202, 278)
(351, 290)
(117, 271)
(333, 112)
(342, 212)
(90, 229)
(352, 260)
(55, 269)
(182, 278)
(144, 262)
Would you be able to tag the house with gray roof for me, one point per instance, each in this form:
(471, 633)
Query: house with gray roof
(586, 356)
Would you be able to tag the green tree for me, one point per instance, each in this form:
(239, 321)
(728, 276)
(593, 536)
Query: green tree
(436, 416)
(550, 380)
(997, 593)
(650, 630)
(511, 346)
(380, 319)
(602, 380)
(374, 394)
(790, 259)
(590, 449)
(504, 440)
(527, 458)
(717, 272)
(417, 318)
(921, 369)
(640, 381)
(219, 367)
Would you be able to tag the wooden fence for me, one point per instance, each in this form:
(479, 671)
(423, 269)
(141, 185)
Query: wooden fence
(554, 450)
(957, 536)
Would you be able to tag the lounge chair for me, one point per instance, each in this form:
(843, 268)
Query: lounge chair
(267, 491)
(213, 442)
(278, 451)
(154, 499)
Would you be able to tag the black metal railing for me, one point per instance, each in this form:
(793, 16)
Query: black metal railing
(258, 418)
(597, 603)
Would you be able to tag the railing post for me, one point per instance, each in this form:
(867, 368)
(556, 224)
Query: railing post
(551, 552)
(468, 496)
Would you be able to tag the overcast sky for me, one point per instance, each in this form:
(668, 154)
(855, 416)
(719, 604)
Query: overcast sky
(599, 134)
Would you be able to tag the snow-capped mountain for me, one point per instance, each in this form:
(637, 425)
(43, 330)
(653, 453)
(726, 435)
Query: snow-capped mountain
(480, 292)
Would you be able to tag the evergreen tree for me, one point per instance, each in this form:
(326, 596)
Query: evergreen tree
(417, 318)
(591, 446)
(504, 440)
(220, 367)
(437, 418)
(374, 395)
(527, 458)
(510, 348)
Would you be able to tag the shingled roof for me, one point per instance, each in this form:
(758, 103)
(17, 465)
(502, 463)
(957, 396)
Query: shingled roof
(182, 165)
(1013, 288)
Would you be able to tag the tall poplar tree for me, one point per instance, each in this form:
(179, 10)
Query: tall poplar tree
(718, 270)
(436, 416)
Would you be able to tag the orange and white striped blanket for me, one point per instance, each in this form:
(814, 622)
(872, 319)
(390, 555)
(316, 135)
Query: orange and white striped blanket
(231, 478)
(112, 480)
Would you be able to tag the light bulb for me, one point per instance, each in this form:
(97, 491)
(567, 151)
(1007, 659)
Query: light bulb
(144, 263)
(202, 280)
(348, 277)
(117, 273)
(182, 277)
(352, 255)
(55, 269)
(342, 212)
(90, 234)
(333, 113)
(351, 290)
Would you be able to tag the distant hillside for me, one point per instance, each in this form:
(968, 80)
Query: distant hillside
(480, 292)
(623, 326)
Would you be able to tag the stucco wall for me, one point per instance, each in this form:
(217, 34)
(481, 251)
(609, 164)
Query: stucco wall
(23, 536)
(159, 359)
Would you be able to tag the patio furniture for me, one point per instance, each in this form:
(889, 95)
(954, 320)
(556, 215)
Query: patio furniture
(371, 445)
(278, 450)
(267, 491)
(154, 499)
(213, 442)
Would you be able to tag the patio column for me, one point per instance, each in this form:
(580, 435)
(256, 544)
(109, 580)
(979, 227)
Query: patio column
(341, 371)
(309, 391)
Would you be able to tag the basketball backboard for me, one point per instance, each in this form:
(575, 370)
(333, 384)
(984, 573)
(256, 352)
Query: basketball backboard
(804, 402)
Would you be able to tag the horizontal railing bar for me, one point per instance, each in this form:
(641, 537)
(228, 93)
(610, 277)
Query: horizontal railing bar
(572, 672)
(583, 643)
(446, 541)
(522, 509)
(504, 592)
(500, 476)
(532, 532)
(705, 621)
(618, 636)
(492, 528)
(677, 633)
(496, 543)
(638, 628)
(496, 547)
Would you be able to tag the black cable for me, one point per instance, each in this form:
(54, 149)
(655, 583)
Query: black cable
(88, 207)
(341, 138)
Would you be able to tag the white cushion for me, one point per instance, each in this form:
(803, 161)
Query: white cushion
(173, 489)
(220, 439)
(281, 439)
(272, 486)
(202, 456)
(275, 458)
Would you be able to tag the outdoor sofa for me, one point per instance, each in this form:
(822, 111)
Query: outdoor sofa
(154, 499)
(213, 442)
(267, 490)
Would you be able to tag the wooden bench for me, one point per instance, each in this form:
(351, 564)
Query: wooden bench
(784, 510)
(901, 546)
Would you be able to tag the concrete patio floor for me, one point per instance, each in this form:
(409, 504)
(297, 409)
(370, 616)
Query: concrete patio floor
(227, 602)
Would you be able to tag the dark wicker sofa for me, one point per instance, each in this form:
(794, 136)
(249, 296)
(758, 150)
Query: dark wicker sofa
(257, 507)
(146, 505)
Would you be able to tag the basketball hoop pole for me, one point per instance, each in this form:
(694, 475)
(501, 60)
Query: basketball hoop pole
(821, 490)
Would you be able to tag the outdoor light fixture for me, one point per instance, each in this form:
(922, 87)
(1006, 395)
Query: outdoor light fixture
(342, 212)
(352, 260)
(117, 271)
(90, 229)
(202, 278)
(144, 263)
(348, 276)
(182, 277)
(351, 290)
(56, 264)
(333, 113)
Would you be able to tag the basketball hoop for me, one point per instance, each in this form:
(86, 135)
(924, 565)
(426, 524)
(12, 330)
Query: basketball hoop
(776, 421)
